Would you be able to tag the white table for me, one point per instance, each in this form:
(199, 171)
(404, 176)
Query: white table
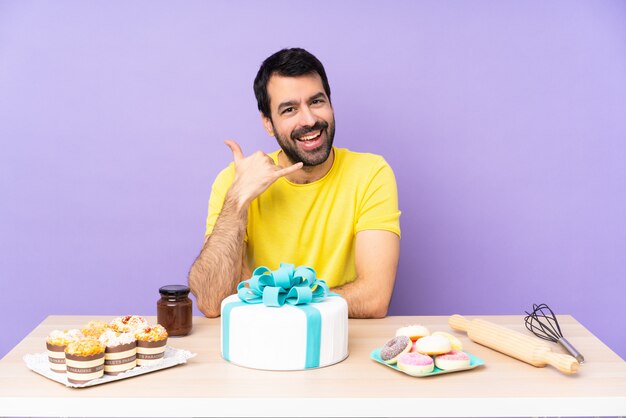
(209, 386)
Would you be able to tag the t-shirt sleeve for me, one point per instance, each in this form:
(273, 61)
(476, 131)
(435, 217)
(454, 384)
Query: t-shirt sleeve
(379, 207)
(222, 183)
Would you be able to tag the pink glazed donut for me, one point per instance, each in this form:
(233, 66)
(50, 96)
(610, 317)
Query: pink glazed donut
(415, 364)
(452, 361)
(394, 348)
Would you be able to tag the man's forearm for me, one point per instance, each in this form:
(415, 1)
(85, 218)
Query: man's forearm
(363, 302)
(376, 259)
(217, 270)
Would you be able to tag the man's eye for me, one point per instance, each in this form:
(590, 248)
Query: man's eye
(288, 110)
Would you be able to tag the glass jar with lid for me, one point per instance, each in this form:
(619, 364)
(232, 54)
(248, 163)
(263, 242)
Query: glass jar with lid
(174, 310)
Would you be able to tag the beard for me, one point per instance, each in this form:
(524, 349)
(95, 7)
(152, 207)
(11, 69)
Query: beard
(309, 158)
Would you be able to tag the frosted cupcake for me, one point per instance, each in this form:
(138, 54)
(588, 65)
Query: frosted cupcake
(84, 360)
(120, 353)
(150, 345)
(95, 329)
(55, 346)
(128, 323)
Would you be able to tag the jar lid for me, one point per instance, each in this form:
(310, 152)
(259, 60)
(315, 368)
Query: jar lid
(174, 290)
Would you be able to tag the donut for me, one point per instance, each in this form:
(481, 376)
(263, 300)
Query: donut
(414, 332)
(394, 348)
(452, 361)
(415, 363)
(432, 345)
(455, 344)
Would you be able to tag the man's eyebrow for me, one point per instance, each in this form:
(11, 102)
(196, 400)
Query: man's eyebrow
(320, 95)
(291, 103)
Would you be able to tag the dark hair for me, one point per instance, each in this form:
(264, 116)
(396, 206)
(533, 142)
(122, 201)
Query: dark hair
(291, 62)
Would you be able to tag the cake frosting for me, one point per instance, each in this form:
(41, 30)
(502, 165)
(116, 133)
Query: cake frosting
(155, 333)
(128, 323)
(112, 338)
(95, 328)
(280, 338)
(63, 338)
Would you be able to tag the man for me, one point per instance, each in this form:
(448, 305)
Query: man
(308, 203)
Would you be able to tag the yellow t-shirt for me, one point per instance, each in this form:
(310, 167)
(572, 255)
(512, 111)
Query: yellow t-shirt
(315, 224)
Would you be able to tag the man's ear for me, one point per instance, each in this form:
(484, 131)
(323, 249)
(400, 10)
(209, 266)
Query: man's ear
(267, 124)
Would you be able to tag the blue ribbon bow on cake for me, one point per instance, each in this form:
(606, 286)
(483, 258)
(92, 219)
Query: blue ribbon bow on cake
(295, 286)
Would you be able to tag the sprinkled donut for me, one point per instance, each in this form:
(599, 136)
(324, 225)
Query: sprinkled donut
(394, 348)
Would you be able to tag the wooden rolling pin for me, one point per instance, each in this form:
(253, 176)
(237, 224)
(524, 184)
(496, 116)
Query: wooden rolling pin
(513, 343)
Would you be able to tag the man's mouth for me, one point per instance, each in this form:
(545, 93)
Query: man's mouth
(310, 136)
(311, 140)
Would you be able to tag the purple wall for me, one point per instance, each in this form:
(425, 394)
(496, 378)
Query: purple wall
(504, 121)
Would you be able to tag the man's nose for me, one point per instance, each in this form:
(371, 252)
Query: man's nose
(306, 116)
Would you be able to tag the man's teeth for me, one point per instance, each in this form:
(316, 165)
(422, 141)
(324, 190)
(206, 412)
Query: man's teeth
(310, 137)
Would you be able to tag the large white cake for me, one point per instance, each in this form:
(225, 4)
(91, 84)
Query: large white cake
(285, 338)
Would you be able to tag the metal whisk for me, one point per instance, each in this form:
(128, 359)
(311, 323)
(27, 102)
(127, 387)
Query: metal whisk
(543, 323)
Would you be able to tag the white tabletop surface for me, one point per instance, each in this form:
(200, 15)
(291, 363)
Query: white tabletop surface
(209, 386)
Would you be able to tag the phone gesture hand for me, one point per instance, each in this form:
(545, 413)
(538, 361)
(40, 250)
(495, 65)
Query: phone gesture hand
(255, 173)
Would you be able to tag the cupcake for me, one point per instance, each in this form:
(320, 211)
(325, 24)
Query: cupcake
(150, 345)
(128, 323)
(120, 352)
(84, 360)
(95, 329)
(55, 346)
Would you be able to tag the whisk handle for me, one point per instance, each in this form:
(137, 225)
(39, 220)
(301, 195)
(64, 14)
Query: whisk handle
(570, 349)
